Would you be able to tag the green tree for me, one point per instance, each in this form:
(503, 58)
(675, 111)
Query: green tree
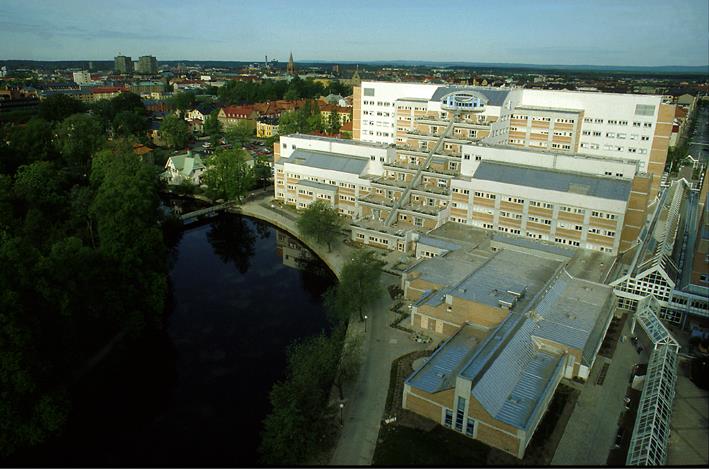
(31, 411)
(289, 123)
(314, 122)
(298, 425)
(127, 102)
(129, 123)
(28, 143)
(239, 134)
(291, 95)
(212, 127)
(174, 132)
(58, 107)
(78, 137)
(7, 213)
(350, 361)
(358, 288)
(39, 185)
(228, 175)
(320, 222)
(333, 122)
(262, 171)
(125, 210)
(183, 102)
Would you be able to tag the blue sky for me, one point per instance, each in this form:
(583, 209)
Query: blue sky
(593, 32)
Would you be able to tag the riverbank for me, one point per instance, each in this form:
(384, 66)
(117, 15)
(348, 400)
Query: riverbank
(261, 208)
(365, 397)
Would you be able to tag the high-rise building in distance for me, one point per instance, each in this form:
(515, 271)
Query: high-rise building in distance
(147, 65)
(123, 64)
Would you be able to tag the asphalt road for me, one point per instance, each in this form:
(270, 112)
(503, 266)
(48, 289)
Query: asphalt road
(699, 140)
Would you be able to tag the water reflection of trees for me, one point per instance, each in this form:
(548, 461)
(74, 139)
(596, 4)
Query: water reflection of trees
(233, 239)
(263, 229)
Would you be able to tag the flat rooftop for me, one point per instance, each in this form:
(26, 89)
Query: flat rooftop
(504, 277)
(327, 160)
(544, 108)
(554, 180)
(343, 141)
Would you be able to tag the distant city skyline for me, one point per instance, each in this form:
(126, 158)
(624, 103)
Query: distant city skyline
(545, 32)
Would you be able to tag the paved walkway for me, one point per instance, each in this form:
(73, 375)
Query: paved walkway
(591, 430)
(365, 399)
(689, 427)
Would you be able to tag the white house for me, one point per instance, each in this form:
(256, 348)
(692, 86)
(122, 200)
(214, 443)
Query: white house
(181, 168)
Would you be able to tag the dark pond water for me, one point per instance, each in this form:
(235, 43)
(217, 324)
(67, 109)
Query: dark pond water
(196, 395)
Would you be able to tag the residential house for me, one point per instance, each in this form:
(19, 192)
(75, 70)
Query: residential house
(266, 127)
(231, 116)
(184, 168)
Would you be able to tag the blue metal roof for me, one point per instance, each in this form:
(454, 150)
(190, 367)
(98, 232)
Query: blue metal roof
(438, 243)
(555, 180)
(510, 389)
(327, 160)
(441, 369)
(317, 185)
(495, 281)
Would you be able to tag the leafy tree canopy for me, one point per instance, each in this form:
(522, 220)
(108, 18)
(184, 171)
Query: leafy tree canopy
(228, 175)
(59, 106)
(77, 138)
(321, 222)
(174, 132)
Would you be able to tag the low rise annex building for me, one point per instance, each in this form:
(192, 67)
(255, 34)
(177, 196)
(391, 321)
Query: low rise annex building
(493, 379)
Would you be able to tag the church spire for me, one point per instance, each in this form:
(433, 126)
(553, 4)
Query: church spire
(291, 66)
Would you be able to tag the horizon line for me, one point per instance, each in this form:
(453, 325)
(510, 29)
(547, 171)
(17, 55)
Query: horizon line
(380, 61)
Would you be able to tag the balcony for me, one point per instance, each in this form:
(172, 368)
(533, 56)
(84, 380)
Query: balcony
(401, 165)
(384, 181)
(377, 199)
(431, 189)
(424, 209)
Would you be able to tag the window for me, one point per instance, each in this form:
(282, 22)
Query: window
(460, 414)
(448, 419)
(470, 427)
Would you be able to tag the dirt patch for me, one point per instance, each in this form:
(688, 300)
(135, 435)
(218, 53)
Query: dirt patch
(615, 331)
(401, 368)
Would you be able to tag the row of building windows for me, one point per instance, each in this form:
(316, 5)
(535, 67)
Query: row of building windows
(590, 120)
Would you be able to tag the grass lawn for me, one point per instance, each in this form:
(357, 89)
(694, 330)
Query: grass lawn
(404, 446)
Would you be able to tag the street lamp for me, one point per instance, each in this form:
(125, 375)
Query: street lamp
(342, 406)
(365, 323)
